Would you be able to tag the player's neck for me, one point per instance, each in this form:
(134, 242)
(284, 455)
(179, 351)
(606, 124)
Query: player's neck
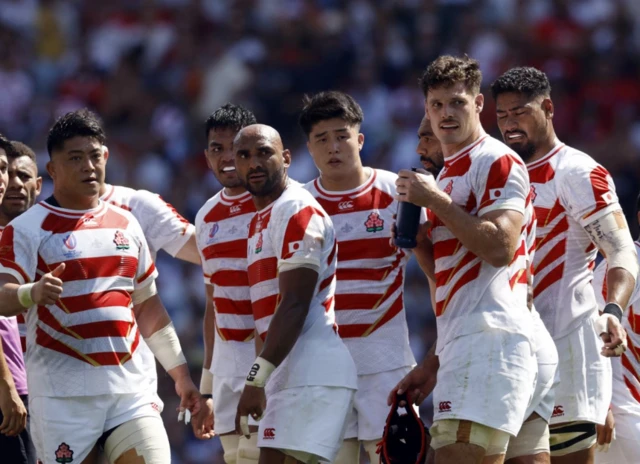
(544, 147)
(262, 202)
(454, 148)
(80, 203)
(234, 191)
(346, 181)
(103, 189)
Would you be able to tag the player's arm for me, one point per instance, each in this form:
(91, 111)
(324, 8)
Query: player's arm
(610, 233)
(16, 298)
(189, 252)
(208, 333)
(424, 254)
(492, 236)
(13, 410)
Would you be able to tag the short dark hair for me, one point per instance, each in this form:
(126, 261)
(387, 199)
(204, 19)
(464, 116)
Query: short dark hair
(329, 105)
(527, 80)
(80, 123)
(229, 116)
(7, 146)
(447, 70)
(22, 149)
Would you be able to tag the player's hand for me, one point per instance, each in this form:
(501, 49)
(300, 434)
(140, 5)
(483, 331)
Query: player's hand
(417, 384)
(606, 433)
(202, 423)
(48, 289)
(190, 397)
(613, 335)
(13, 410)
(253, 402)
(418, 187)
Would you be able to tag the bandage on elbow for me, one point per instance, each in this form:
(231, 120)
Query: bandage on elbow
(165, 346)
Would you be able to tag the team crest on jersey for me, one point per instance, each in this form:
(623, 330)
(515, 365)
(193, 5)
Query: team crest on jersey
(122, 242)
(533, 193)
(374, 223)
(449, 188)
(259, 244)
(64, 454)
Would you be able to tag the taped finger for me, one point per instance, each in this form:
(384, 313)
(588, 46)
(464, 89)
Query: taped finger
(244, 426)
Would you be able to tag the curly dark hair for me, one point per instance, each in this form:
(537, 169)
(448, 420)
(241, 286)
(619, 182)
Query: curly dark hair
(229, 116)
(7, 146)
(22, 149)
(527, 80)
(81, 123)
(447, 70)
(329, 105)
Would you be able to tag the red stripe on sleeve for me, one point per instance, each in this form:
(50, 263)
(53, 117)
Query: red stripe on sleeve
(296, 229)
(146, 275)
(497, 179)
(599, 178)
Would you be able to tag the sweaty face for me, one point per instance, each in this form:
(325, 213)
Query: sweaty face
(429, 148)
(78, 169)
(23, 188)
(454, 113)
(522, 121)
(261, 163)
(335, 147)
(220, 157)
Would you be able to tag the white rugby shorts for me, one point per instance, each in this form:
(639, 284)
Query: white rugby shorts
(486, 377)
(584, 391)
(367, 418)
(625, 449)
(309, 419)
(548, 376)
(69, 427)
(226, 396)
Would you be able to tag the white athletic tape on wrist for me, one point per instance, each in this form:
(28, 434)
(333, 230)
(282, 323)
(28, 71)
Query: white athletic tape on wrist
(165, 346)
(143, 294)
(24, 295)
(206, 382)
(260, 372)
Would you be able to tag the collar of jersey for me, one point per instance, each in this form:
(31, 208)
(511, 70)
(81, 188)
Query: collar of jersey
(343, 193)
(235, 198)
(465, 151)
(556, 148)
(75, 213)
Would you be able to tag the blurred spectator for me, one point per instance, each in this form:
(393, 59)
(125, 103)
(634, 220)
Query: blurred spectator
(155, 69)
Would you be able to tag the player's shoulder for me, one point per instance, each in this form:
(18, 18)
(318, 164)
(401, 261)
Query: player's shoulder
(116, 212)
(118, 193)
(384, 178)
(311, 186)
(570, 161)
(491, 149)
(294, 198)
(208, 206)
(31, 219)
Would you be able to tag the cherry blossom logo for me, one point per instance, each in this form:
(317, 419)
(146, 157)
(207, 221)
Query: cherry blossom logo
(374, 223)
(259, 244)
(533, 193)
(122, 242)
(449, 188)
(64, 454)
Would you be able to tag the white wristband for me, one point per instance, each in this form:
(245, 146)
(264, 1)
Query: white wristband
(206, 382)
(24, 295)
(260, 372)
(165, 346)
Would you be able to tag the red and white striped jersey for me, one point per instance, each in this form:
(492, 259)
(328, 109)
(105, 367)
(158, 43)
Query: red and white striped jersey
(369, 292)
(85, 344)
(569, 191)
(630, 359)
(163, 227)
(289, 231)
(222, 228)
(471, 294)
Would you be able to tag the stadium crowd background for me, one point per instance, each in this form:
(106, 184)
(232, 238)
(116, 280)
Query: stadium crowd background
(154, 70)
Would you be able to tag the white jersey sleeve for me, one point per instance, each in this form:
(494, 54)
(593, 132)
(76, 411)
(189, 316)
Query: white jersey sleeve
(161, 224)
(505, 187)
(146, 271)
(587, 191)
(19, 252)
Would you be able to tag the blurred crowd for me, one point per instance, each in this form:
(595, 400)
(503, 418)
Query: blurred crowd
(154, 70)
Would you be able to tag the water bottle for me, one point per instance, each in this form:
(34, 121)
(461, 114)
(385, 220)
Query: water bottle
(407, 224)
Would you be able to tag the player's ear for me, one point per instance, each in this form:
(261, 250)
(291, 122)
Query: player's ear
(51, 170)
(479, 100)
(105, 152)
(360, 140)
(38, 186)
(547, 107)
(286, 155)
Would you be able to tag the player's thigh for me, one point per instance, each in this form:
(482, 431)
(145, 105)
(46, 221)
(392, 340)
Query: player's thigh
(460, 453)
(274, 456)
(572, 442)
(487, 378)
(67, 428)
(540, 458)
(142, 440)
(531, 445)
(585, 389)
(463, 438)
(306, 419)
(585, 456)
(370, 402)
